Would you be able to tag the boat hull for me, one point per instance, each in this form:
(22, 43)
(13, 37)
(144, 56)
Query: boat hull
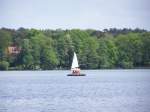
(76, 75)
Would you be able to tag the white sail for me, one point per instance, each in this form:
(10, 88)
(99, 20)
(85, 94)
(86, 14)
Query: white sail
(75, 61)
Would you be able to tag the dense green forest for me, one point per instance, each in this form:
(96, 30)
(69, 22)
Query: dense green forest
(53, 49)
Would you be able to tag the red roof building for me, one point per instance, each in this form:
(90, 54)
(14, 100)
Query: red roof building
(14, 50)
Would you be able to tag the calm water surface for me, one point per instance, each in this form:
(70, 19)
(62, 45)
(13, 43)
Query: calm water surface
(53, 91)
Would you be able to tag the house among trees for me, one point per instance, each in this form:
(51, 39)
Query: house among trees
(13, 50)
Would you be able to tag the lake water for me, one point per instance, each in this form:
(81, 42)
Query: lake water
(53, 91)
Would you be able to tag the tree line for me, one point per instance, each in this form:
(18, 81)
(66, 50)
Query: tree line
(53, 49)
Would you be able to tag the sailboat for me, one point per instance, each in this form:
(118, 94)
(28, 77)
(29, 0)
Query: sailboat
(75, 67)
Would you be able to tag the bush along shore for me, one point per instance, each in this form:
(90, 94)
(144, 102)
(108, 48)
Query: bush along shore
(32, 49)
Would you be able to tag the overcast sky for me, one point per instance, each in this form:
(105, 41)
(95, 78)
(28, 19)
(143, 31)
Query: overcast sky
(66, 14)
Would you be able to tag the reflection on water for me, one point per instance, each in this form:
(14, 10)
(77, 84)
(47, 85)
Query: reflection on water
(53, 91)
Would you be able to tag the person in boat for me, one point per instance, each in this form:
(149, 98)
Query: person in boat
(76, 71)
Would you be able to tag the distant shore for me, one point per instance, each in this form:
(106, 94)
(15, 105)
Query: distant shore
(33, 49)
(135, 68)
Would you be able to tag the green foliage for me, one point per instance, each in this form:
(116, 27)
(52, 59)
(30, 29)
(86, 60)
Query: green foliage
(38, 52)
(48, 59)
(65, 50)
(4, 65)
(146, 48)
(124, 48)
(130, 50)
(26, 56)
(89, 56)
(108, 53)
(5, 40)
(53, 49)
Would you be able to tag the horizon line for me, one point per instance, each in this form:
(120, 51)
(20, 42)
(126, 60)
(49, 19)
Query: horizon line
(100, 29)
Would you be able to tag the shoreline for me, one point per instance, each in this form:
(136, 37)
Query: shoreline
(146, 68)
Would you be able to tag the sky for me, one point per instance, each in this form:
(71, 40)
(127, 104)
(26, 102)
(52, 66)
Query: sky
(69, 14)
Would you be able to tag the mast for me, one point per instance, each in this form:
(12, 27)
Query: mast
(75, 61)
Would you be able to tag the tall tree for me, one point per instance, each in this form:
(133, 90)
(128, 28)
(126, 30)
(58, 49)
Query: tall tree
(108, 53)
